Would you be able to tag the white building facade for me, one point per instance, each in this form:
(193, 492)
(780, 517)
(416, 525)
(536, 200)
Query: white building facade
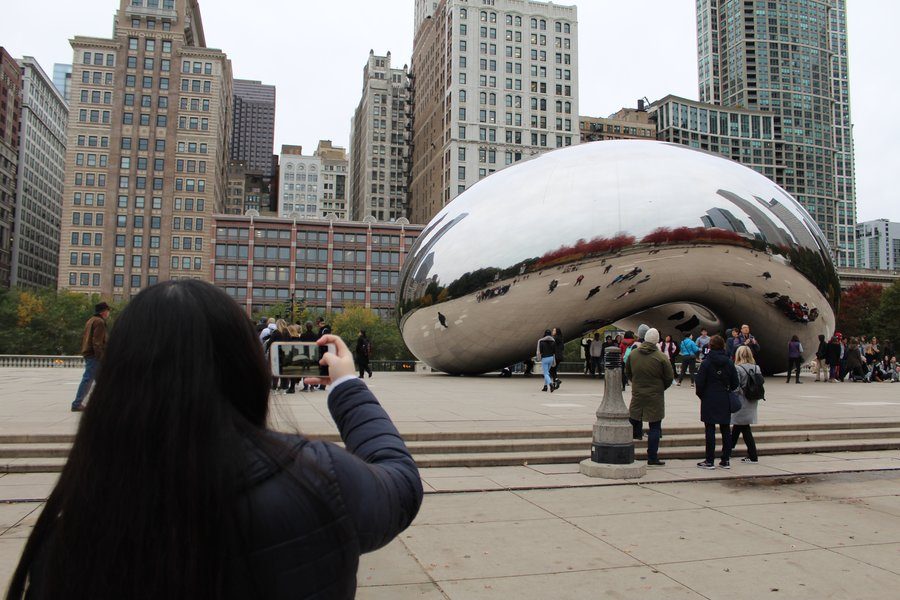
(40, 180)
(878, 245)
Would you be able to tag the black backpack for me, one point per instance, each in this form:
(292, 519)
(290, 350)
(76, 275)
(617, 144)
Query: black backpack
(756, 385)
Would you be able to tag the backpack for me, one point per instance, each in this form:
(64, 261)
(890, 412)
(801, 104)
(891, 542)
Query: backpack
(755, 388)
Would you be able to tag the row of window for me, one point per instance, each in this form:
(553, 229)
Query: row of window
(150, 45)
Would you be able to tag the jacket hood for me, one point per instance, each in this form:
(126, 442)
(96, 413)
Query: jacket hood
(547, 338)
(647, 348)
(718, 358)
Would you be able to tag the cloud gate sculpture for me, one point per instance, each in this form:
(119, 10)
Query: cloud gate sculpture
(615, 232)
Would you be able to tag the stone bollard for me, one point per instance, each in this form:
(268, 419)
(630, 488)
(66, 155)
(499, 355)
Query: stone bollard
(612, 449)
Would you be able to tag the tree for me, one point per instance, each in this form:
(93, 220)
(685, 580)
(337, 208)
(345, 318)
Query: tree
(887, 317)
(43, 321)
(387, 344)
(856, 315)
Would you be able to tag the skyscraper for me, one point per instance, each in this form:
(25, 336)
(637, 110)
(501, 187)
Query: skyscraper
(789, 58)
(62, 79)
(147, 152)
(492, 84)
(379, 142)
(39, 184)
(253, 135)
(10, 109)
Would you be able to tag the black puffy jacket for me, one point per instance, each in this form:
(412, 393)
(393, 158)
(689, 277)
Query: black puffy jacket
(715, 378)
(306, 527)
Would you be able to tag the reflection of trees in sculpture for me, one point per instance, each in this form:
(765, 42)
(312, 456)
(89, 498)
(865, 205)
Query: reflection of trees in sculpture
(583, 248)
(667, 235)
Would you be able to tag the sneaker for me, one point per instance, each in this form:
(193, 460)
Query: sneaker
(724, 464)
(706, 465)
(78, 408)
(544, 389)
(656, 463)
(747, 459)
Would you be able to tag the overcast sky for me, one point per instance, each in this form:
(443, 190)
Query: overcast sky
(314, 53)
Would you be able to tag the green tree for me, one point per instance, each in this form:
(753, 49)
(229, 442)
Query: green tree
(887, 317)
(43, 321)
(387, 344)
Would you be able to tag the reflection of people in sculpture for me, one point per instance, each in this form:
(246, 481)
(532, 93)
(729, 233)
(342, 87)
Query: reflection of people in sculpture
(552, 286)
(608, 267)
(623, 294)
(579, 280)
(767, 275)
(442, 319)
(593, 291)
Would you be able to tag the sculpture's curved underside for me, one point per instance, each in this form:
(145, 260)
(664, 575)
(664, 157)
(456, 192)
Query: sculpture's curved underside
(618, 233)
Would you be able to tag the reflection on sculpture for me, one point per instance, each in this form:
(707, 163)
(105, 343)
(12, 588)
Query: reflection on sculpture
(650, 232)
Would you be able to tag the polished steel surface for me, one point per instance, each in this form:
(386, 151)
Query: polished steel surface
(615, 232)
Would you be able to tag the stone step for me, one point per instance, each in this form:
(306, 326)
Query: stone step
(515, 434)
(35, 450)
(669, 440)
(497, 459)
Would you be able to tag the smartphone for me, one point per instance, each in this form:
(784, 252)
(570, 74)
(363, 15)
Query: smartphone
(298, 359)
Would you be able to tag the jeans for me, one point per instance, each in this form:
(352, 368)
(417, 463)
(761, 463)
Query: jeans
(596, 365)
(546, 365)
(90, 369)
(687, 364)
(736, 431)
(794, 363)
(711, 441)
(653, 437)
(636, 428)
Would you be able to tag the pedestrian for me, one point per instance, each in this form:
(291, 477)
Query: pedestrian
(308, 335)
(795, 357)
(546, 355)
(733, 343)
(596, 353)
(278, 334)
(833, 357)
(363, 353)
(746, 367)
(650, 373)
(560, 354)
(689, 351)
(703, 344)
(175, 487)
(716, 377)
(293, 335)
(324, 329)
(821, 363)
(579, 280)
(586, 355)
(267, 331)
(93, 346)
(670, 349)
(745, 338)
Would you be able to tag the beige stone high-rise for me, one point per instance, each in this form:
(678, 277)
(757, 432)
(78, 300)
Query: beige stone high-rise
(147, 152)
(379, 142)
(493, 83)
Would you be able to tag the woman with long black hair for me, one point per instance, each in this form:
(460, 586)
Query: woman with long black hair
(175, 488)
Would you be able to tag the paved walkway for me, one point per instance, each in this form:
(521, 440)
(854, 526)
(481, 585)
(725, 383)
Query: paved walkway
(803, 526)
(37, 401)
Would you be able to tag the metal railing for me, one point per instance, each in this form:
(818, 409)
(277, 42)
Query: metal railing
(38, 361)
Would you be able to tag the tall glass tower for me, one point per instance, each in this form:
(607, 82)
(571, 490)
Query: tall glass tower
(789, 57)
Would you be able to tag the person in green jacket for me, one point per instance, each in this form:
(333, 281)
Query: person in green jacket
(650, 373)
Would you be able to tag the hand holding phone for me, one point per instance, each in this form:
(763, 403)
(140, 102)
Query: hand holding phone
(295, 359)
(338, 358)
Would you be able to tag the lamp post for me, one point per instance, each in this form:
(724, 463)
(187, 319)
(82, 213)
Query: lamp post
(612, 448)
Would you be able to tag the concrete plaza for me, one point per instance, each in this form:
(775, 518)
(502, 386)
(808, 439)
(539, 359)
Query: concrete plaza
(821, 525)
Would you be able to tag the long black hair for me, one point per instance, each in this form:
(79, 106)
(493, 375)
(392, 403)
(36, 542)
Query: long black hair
(144, 507)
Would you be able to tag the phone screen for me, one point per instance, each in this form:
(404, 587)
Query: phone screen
(298, 359)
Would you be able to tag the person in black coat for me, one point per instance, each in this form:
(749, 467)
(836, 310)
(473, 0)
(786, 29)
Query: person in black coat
(560, 352)
(715, 378)
(176, 488)
(363, 353)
